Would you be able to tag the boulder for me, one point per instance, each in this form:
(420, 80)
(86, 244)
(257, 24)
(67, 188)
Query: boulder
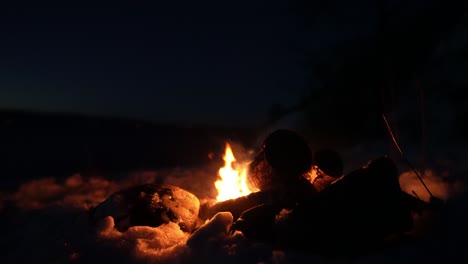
(149, 205)
(283, 158)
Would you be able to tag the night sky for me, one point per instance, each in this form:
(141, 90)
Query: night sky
(176, 61)
(171, 61)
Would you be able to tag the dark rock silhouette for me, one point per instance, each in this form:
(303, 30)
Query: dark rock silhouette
(283, 158)
(359, 212)
(329, 161)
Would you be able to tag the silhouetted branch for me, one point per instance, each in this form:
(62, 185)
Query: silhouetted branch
(404, 157)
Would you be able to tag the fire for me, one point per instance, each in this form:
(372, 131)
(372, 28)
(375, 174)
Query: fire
(232, 183)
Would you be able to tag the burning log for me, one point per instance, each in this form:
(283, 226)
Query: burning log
(149, 205)
(236, 206)
(276, 172)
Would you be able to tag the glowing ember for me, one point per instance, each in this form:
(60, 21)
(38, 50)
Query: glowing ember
(232, 183)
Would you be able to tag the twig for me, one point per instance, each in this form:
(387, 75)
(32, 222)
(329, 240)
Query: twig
(416, 195)
(404, 157)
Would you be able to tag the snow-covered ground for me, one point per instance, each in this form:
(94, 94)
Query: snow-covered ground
(46, 221)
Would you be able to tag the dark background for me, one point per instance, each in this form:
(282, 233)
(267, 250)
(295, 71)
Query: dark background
(118, 87)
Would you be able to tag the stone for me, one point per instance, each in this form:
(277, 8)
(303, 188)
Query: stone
(149, 205)
(283, 158)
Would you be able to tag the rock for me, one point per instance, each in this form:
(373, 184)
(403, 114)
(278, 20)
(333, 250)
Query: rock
(363, 211)
(149, 205)
(216, 227)
(256, 223)
(359, 212)
(329, 161)
(287, 151)
(283, 158)
(259, 173)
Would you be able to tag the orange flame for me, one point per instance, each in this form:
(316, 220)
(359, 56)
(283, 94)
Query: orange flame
(232, 183)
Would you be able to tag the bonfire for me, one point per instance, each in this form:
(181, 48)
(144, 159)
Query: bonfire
(164, 222)
(272, 214)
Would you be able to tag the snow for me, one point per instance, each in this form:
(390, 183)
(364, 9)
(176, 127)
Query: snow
(438, 185)
(46, 221)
